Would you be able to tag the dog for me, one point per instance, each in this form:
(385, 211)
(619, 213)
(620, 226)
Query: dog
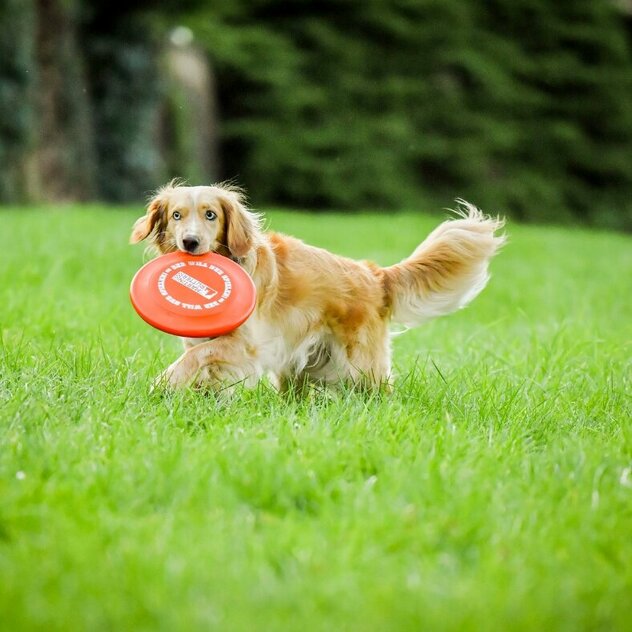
(319, 317)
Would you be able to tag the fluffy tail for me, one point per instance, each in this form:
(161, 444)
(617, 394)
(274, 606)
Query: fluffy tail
(447, 270)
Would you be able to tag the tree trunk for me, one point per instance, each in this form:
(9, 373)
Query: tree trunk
(190, 128)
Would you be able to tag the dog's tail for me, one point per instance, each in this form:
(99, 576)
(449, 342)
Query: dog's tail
(447, 270)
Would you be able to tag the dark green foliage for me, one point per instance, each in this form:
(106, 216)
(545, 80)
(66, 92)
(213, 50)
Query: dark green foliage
(122, 52)
(17, 24)
(140, 125)
(65, 158)
(522, 106)
(46, 149)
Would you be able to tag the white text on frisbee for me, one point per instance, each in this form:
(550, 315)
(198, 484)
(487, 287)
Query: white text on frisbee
(193, 284)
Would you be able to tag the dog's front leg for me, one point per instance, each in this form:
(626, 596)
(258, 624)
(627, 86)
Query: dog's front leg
(217, 363)
(180, 373)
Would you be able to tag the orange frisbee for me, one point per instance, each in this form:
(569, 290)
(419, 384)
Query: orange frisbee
(193, 296)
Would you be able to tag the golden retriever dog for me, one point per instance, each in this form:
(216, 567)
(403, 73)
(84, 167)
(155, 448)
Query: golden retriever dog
(319, 317)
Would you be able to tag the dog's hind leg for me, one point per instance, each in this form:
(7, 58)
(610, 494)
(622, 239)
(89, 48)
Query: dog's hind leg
(363, 366)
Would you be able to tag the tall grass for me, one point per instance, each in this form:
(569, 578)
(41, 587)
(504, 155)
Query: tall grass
(492, 490)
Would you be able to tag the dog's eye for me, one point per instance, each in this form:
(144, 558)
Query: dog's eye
(176, 215)
(210, 215)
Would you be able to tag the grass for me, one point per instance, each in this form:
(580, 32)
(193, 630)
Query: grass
(491, 491)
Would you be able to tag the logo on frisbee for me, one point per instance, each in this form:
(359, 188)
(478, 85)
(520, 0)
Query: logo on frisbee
(193, 284)
(174, 278)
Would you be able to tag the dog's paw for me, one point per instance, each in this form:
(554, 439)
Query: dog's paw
(176, 376)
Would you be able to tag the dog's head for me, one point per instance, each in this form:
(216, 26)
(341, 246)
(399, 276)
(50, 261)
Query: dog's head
(198, 220)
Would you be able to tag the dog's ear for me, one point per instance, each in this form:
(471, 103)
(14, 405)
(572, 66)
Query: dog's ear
(145, 224)
(242, 226)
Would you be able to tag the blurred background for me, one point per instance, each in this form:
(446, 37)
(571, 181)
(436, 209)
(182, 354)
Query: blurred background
(521, 106)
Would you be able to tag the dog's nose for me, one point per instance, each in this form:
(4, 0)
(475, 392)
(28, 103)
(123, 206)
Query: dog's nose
(190, 244)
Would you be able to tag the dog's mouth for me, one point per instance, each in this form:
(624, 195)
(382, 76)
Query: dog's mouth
(198, 247)
(192, 246)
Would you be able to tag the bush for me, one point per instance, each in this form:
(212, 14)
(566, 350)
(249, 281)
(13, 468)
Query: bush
(522, 106)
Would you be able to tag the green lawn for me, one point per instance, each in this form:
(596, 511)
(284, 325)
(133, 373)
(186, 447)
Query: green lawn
(491, 491)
